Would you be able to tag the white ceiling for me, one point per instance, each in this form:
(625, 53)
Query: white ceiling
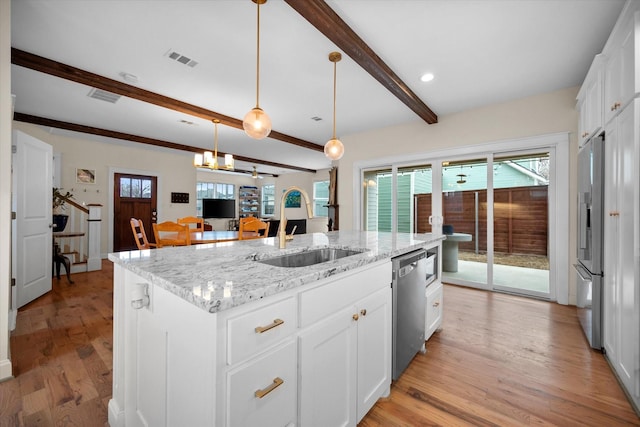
(481, 52)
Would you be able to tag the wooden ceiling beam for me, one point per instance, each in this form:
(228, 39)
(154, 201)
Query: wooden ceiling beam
(321, 16)
(42, 121)
(68, 72)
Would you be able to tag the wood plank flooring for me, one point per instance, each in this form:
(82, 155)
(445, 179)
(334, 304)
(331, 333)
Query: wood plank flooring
(61, 355)
(502, 360)
(499, 360)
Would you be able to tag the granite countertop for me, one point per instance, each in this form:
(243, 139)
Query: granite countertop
(220, 276)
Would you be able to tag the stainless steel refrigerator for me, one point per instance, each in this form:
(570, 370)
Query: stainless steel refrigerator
(589, 268)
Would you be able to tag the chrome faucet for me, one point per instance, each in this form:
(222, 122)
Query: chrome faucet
(282, 234)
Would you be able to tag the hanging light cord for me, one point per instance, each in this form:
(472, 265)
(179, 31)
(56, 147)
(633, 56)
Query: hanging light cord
(215, 141)
(334, 98)
(258, 59)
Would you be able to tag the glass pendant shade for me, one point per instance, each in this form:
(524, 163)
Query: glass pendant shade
(198, 160)
(334, 149)
(256, 123)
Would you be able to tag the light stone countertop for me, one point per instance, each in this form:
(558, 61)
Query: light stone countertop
(220, 276)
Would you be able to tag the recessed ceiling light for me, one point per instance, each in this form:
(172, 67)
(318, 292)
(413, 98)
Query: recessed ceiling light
(427, 77)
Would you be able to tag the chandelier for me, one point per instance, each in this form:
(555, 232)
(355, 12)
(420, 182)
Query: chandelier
(209, 159)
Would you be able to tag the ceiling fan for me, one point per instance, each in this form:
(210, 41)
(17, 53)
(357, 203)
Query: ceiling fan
(255, 175)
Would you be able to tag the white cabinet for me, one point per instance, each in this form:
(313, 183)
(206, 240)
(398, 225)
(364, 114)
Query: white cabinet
(158, 340)
(621, 298)
(434, 308)
(621, 278)
(345, 348)
(374, 349)
(317, 355)
(622, 82)
(590, 102)
(257, 363)
(328, 371)
(263, 391)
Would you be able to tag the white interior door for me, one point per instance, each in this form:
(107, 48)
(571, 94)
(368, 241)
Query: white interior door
(32, 183)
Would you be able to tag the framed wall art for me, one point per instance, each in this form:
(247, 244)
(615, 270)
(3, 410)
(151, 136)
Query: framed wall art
(86, 176)
(292, 200)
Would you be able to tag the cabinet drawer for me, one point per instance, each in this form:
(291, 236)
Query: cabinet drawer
(253, 331)
(434, 309)
(323, 301)
(272, 376)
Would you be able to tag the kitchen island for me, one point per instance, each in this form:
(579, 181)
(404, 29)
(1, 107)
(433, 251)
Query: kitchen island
(213, 335)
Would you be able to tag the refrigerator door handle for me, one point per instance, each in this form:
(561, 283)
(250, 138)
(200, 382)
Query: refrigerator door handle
(582, 272)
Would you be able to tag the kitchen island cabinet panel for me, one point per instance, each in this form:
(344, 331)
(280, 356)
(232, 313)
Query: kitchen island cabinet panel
(345, 361)
(210, 336)
(263, 392)
(328, 371)
(157, 343)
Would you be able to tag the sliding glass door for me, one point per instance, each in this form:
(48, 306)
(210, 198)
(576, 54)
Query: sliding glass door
(521, 218)
(464, 212)
(494, 209)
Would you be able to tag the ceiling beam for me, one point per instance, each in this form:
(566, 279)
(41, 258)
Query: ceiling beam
(321, 16)
(68, 72)
(42, 121)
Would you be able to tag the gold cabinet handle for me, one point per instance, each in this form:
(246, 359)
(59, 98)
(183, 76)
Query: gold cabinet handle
(355, 317)
(276, 322)
(436, 304)
(277, 382)
(363, 311)
(614, 213)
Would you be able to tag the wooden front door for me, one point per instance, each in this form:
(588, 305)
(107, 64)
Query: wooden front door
(135, 196)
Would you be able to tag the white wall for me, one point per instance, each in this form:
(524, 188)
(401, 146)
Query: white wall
(173, 168)
(5, 185)
(537, 115)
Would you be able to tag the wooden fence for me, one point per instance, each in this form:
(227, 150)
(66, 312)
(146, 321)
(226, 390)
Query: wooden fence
(521, 218)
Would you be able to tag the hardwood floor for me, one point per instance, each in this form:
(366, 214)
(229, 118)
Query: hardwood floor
(499, 360)
(61, 355)
(502, 360)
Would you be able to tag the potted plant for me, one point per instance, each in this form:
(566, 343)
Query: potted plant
(58, 202)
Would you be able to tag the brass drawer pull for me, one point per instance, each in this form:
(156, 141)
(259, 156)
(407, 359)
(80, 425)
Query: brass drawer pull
(277, 382)
(436, 304)
(614, 213)
(276, 322)
(363, 311)
(355, 317)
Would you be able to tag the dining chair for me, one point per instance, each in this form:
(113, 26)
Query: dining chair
(171, 233)
(199, 222)
(139, 234)
(252, 224)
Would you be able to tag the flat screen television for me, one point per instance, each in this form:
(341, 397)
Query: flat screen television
(218, 208)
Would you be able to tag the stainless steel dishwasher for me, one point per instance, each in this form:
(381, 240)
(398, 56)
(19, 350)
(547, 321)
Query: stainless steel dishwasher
(409, 286)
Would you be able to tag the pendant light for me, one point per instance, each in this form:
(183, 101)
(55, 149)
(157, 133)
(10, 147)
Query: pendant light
(209, 159)
(334, 149)
(256, 123)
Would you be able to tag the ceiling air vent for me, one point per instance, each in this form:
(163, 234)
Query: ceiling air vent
(181, 58)
(103, 95)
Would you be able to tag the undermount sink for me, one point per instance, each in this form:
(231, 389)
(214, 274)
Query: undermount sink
(310, 257)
